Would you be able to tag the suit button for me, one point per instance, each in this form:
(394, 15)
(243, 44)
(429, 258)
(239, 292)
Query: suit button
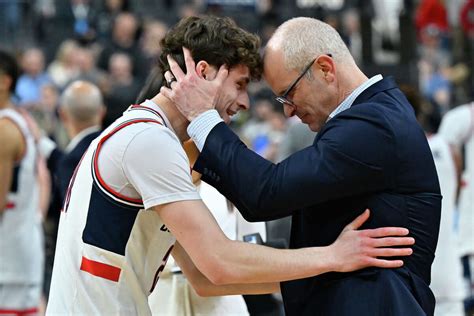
(205, 171)
(218, 179)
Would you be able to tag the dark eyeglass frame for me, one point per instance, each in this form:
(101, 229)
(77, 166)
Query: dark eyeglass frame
(283, 99)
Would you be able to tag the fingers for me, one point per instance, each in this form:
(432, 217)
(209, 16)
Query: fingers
(222, 74)
(392, 241)
(167, 92)
(188, 60)
(175, 69)
(356, 223)
(169, 79)
(386, 231)
(380, 263)
(391, 252)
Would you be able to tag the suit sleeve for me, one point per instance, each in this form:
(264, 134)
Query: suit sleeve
(352, 156)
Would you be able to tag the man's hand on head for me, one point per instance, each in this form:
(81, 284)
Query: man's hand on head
(190, 91)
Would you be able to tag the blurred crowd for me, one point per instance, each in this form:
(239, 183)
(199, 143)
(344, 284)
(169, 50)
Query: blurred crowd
(427, 45)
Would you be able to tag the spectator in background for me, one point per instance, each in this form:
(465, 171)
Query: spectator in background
(46, 115)
(21, 248)
(457, 128)
(153, 33)
(88, 71)
(81, 112)
(255, 130)
(124, 40)
(297, 137)
(436, 88)
(432, 13)
(10, 17)
(122, 87)
(106, 16)
(28, 88)
(64, 67)
(351, 29)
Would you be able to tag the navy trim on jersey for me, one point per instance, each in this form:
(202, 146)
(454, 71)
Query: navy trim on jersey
(15, 180)
(109, 223)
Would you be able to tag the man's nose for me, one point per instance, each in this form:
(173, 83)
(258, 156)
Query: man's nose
(289, 109)
(244, 102)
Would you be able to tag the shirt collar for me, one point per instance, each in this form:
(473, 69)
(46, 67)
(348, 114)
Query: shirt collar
(80, 136)
(347, 102)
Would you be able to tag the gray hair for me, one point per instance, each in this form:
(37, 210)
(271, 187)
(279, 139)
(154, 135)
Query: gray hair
(83, 101)
(302, 39)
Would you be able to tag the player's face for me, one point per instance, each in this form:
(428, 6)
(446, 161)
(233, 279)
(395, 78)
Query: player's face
(234, 96)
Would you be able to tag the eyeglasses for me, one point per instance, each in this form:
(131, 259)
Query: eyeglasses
(283, 99)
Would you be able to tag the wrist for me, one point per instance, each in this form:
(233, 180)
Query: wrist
(192, 115)
(333, 264)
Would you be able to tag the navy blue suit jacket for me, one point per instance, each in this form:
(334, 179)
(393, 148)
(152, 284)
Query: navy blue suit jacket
(373, 155)
(62, 165)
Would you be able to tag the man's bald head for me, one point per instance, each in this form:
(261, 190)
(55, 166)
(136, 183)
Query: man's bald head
(301, 39)
(83, 103)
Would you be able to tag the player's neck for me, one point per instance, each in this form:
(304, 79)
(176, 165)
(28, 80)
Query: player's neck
(177, 120)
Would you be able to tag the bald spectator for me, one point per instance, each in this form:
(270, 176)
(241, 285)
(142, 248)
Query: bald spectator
(81, 111)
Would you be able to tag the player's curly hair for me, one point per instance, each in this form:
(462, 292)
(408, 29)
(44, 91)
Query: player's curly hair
(216, 40)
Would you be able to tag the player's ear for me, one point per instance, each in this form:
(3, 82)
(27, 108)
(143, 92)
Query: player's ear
(204, 70)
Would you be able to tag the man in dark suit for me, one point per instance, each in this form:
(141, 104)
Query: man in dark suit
(369, 152)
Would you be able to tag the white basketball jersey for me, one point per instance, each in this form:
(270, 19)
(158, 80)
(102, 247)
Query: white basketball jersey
(110, 250)
(457, 127)
(446, 275)
(21, 243)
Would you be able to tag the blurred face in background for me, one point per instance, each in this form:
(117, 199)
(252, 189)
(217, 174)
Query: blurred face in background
(120, 68)
(125, 28)
(33, 62)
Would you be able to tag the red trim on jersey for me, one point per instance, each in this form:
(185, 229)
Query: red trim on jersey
(19, 312)
(100, 269)
(142, 107)
(96, 159)
(9, 205)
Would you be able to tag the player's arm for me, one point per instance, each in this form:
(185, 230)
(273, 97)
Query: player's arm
(204, 287)
(11, 147)
(224, 261)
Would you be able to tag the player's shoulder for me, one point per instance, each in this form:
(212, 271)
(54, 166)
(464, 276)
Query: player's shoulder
(10, 128)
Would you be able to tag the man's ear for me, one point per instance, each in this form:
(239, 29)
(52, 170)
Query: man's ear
(63, 115)
(204, 70)
(326, 64)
